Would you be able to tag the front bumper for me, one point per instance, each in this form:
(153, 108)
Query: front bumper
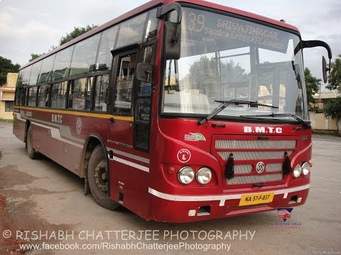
(189, 208)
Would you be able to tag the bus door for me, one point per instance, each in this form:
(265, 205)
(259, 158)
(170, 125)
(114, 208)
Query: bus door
(128, 140)
(123, 79)
(131, 105)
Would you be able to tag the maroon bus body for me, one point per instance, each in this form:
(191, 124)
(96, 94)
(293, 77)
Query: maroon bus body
(148, 180)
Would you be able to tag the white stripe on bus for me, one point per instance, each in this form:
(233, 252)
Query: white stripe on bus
(55, 134)
(129, 155)
(221, 198)
(129, 163)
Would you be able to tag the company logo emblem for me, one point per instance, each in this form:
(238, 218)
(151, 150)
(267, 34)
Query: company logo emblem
(184, 155)
(260, 167)
(194, 137)
(263, 130)
(284, 214)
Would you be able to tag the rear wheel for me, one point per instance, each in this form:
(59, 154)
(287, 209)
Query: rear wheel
(32, 153)
(98, 179)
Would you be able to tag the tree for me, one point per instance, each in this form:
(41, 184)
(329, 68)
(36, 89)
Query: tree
(335, 75)
(333, 109)
(77, 31)
(312, 83)
(34, 56)
(204, 74)
(6, 66)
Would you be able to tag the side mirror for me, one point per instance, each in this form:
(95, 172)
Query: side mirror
(172, 15)
(144, 72)
(172, 40)
(325, 69)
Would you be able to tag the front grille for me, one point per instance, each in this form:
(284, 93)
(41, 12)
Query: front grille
(255, 144)
(252, 179)
(247, 153)
(253, 155)
(270, 168)
(242, 169)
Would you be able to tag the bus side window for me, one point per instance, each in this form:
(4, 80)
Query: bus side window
(32, 96)
(43, 96)
(80, 94)
(23, 96)
(101, 93)
(58, 95)
(124, 84)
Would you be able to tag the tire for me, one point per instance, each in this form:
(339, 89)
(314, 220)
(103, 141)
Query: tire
(97, 174)
(31, 152)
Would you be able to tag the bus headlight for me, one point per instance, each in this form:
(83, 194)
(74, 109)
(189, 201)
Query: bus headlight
(204, 175)
(306, 168)
(186, 175)
(297, 171)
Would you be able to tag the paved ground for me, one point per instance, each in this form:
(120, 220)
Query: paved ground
(41, 196)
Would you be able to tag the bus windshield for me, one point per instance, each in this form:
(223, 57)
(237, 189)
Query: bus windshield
(228, 58)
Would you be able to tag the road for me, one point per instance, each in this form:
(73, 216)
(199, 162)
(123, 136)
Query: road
(41, 196)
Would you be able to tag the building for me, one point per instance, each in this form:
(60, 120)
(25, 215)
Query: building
(318, 119)
(7, 92)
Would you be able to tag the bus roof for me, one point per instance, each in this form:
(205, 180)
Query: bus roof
(154, 3)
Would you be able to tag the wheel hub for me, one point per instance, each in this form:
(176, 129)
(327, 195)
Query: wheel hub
(101, 177)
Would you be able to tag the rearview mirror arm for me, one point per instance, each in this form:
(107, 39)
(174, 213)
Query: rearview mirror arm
(164, 10)
(312, 44)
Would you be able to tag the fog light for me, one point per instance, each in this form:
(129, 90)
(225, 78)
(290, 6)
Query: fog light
(306, 168)
(204, 175)
(186, 175)
(297, 171)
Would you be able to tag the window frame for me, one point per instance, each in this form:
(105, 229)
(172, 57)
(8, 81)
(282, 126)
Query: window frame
(67, 71)
(70, 92)
(28, 97)
(66, 95)
(110, 91)
(117, 55)
(49, 87)
(93, 74)
(80, 45)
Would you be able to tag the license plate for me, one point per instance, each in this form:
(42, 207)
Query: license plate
(256, 199)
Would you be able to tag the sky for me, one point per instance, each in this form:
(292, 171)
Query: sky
(34, 26)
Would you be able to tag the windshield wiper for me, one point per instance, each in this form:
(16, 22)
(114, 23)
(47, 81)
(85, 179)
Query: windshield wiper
(224, 104)
(297, 75)
(274, 115)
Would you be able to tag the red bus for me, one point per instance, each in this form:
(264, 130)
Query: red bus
(179, 111)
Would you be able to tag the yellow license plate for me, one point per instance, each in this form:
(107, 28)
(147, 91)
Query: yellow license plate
(256, 199)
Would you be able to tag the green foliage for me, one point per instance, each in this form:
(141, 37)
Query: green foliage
(6, 66)
(77, 31)
(312, 83)
(335, 75)
(333, 108)
(34, 56)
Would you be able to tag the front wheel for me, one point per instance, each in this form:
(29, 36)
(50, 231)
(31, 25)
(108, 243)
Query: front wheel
(98, 179)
